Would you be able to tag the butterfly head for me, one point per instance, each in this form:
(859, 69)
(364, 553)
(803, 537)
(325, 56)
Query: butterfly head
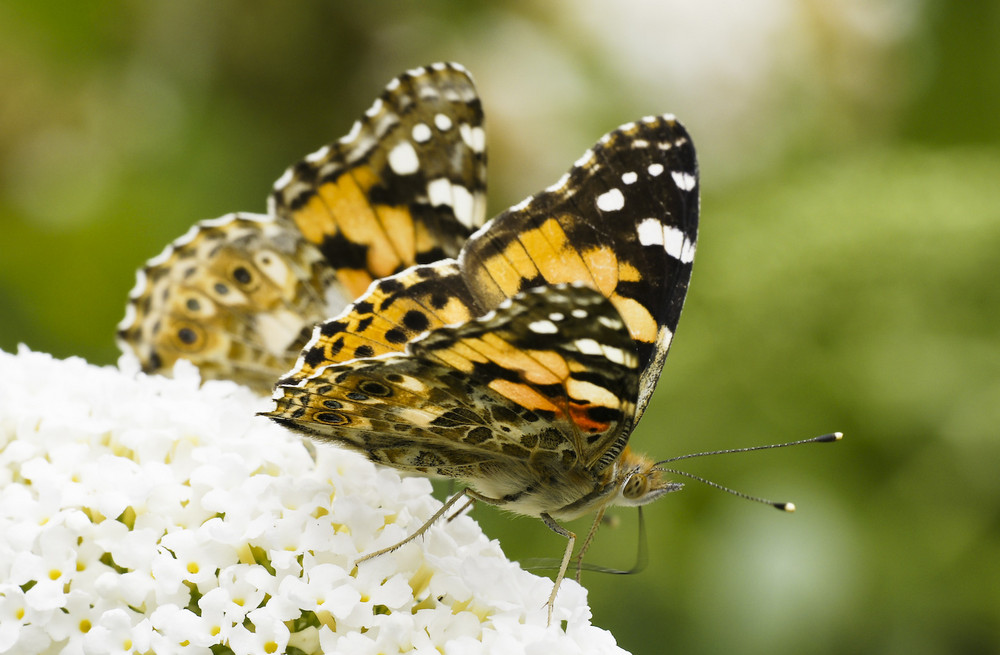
(640, 481)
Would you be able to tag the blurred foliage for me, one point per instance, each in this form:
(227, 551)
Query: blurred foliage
(845, 274)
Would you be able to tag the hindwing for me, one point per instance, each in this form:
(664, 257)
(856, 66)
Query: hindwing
(543, 385)
(237, 295)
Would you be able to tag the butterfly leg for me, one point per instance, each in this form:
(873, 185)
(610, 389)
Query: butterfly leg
(587, 541)
(461, 510)
(571, 541)
(422, 529)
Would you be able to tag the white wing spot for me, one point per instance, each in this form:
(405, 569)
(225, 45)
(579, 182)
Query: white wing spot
(617, 355)
(592, 393)
(319, 155)
(559, 184)
(273, 266)
(439, 192)
(684, 181)
(687, 253)
(216, 222)
(579, 313)
(421, 133)
(677, 245)
(665, 337)
(650, 232)
(674, 241)
(588, 347)
(585, 159)
(403, 159)
(130, 313)
(374, 110)
(557, 316)
(443, 122)
(474, 137)
(543, 327)
(285, 178)
(630, 177)
(608, 322)
(140, 283)
(655, 169)
(353, 134)
(464, 205)
(180, 241)
(611, 200)
(521, 205)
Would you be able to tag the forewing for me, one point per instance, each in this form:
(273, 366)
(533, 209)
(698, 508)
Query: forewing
(405, 186)
(624, 219)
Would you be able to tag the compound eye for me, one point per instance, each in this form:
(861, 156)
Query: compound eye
(636, 486)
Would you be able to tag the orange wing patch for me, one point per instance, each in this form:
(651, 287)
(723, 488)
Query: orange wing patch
(343, 208)
(403, 187)
(525, 396)
(539, 255)
(393, 312)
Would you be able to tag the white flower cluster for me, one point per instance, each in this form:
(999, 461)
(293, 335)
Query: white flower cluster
(150, 515)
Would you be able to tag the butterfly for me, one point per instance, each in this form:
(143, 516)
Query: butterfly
(521, 367)
(239, 295)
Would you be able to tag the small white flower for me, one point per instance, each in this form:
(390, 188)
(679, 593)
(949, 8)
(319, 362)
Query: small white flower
(179, 626)
(189, 556)
(15, 614)
(112, 634)
(218, 612)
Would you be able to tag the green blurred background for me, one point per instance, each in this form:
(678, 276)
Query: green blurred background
(846, 275)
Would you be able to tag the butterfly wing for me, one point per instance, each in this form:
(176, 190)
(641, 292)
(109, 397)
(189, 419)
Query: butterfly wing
(238, 296)
(351, 212)
(624, 219)
(406, 185)
(394, 312)
(539, 390)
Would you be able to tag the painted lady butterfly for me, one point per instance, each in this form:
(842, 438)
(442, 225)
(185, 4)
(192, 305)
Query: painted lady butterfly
(239, 295)
(521, 367)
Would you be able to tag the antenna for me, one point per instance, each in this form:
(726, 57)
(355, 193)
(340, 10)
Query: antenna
(785, 507)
